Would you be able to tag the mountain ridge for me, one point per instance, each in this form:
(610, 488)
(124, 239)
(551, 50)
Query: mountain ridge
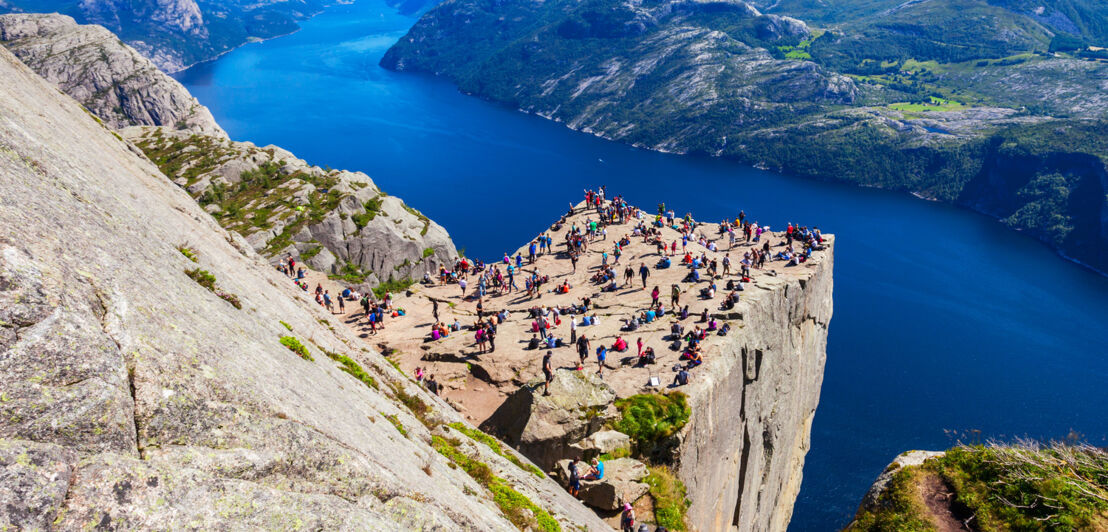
(660, 76)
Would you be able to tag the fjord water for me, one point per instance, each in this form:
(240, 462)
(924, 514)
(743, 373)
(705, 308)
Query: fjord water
(946, 324)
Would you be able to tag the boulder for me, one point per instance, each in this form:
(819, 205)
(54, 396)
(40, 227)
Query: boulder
(621, 483)
(605, 441)
(112, 81)
(543, 427)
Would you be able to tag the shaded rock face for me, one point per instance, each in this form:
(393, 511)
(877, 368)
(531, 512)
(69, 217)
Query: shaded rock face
(110, 79)
(1060, 198)
(336, 221)
(742, 453)
(135, 398)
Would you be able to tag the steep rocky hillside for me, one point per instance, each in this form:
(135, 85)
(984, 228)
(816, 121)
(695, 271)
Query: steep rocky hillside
(337, 222)
(110, 79)
(604, 67)
(156, 373)
(176, 34)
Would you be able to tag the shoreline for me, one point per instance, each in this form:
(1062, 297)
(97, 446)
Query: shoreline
(253, 40)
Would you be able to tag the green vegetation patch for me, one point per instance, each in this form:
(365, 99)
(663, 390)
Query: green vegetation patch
(202, 277)
(648, 418)
(670, 500)
(427, 252)
(901, 508)
(494, 444)
(621, 452)
(935, 104)
(372, 209)
(419, 409)
(350, 274)
(311, 252)
(511, 502)
(1028, 486)
(1021, 487)
(286, 325)
(189, 253)
(396, 423)
(294, 345)
(355, 370)
(392, 286)
(207, 280)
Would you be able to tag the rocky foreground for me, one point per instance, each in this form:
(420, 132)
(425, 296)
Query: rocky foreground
(337, 222)
(155, 372)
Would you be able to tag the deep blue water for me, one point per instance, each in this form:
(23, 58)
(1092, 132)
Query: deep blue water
(944, 320)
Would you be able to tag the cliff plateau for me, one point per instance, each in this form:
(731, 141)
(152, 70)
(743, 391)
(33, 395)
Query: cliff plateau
(741, 453)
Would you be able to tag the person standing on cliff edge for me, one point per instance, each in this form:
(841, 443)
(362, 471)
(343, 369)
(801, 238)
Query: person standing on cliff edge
(547, 372)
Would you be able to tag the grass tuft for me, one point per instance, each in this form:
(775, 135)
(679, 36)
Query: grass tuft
(295, 346)
(494, 444)
(511, 502)
(670, 500)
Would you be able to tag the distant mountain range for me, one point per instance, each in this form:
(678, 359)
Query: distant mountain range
(176, 34)
(999, 106)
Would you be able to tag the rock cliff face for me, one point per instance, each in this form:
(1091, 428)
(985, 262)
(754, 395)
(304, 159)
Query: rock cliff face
(110, 79)
(337, 222)
(742, 453)
(136, 397)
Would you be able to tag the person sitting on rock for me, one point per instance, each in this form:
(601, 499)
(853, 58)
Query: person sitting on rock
(534, 343)
(647, 357)
(596, 472)
(725, 329)
(695, 359)
(682, 378)
(620, 344)
(676, 331)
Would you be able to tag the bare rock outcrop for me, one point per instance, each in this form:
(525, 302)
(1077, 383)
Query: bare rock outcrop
(337, 222)
(136, 397)
(113, 81)
(543, 427)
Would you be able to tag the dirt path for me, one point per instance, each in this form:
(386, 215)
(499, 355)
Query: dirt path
(938, 499)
